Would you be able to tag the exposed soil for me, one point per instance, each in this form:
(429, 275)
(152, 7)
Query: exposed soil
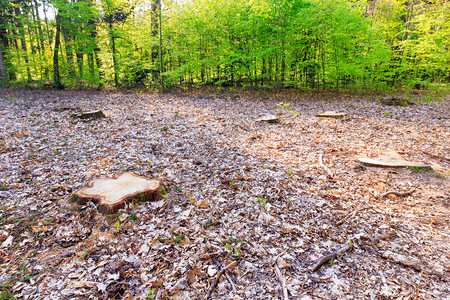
(244, 194)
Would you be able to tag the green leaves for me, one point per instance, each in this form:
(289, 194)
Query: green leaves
(308, 43)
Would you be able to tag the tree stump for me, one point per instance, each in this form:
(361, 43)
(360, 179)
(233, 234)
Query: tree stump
(331, 114)
(95, 114)
(268, 119)
(391, 159)
(393, 101)
(110, 194)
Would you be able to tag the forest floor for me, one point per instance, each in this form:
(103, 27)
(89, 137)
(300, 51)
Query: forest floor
(247, 195)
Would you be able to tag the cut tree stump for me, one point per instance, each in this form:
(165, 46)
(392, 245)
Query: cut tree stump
(268, 119)
(391, 159)
(331, 114)
(112, 193)
(95, 114)
(393, 101)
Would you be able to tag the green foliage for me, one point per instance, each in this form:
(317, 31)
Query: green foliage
(150, 294)
(5, 292)
(180, 238)
(262, 201)
(268, 43)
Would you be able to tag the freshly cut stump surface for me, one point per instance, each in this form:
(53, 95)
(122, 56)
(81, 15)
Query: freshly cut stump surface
(331, 114)
(95, 114)
(112, 193)
(391, 159)
(268, 119)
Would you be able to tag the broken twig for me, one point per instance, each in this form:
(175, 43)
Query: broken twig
(398, 194)
(219, 265)
(216, 279)
(68, 254)
(283, 281)
(324, 167)
(330, 256)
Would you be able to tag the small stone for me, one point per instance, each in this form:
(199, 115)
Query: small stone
(212, 270)
(8, 242)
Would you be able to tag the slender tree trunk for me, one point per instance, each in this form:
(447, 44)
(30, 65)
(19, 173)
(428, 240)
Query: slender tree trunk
(41, 36)
(56, 77)
(161, 70)
(80, 63)
(155, 6)
(68, 47)
(96, 51)
(22, 41)
(113, 46)
(2, 67)
(283, 62)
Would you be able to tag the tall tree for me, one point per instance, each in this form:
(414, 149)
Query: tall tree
(2, 67)
(56, 75)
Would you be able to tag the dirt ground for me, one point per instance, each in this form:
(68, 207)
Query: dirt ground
(251, 207)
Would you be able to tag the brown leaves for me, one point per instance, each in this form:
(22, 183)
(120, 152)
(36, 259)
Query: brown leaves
(211, 215)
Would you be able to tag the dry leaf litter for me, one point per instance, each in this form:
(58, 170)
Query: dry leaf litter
(250, 207)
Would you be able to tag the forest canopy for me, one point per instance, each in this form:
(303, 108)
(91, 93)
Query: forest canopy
(300, 43)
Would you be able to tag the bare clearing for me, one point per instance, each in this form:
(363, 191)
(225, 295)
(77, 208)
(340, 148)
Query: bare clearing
(251, 206)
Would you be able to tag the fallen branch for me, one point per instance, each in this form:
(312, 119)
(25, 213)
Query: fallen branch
(383, 237)
(282, 279)
(219, 265)
(405, 261)
(330, 256)
(216, 279)
(324, 167)
(68, 254)
(398, 194)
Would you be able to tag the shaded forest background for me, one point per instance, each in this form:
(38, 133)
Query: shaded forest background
(268, 43)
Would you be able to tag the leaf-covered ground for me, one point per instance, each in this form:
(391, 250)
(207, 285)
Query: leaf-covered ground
(243, 194)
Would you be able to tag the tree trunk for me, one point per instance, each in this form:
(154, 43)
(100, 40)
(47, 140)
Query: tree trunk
(22, 41)
(56, 77)
(113, 45)
(155, 6)
(161, 69)
(41, 36)
(68, 47)
(96, 52)
(80, 63)
(2, 68)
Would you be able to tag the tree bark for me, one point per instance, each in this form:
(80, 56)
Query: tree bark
(41, 36)
(68, 47)
(56, 77)
(80, 63)
(96, 51)
(2, 67)
(113, 46)
(155, 7)
(22, 40)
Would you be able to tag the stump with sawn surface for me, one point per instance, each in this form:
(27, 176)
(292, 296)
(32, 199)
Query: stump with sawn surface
(110, 194)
